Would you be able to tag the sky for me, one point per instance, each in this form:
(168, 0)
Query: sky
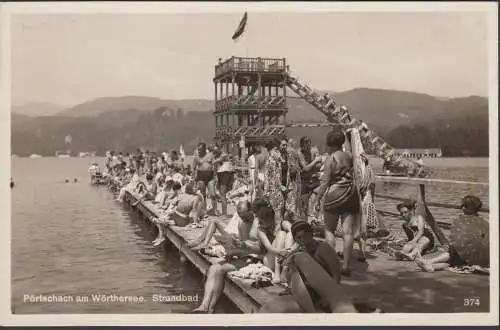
(67, 59)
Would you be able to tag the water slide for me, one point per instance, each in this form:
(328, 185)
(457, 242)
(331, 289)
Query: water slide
(339, 114)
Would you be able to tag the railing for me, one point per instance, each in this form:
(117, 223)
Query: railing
(251, 64)
(250, 102)
(435, 225)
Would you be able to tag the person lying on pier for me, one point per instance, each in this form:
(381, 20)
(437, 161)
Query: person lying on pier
(470, 207)
(240, 228)
(420, 236)
(313, 278)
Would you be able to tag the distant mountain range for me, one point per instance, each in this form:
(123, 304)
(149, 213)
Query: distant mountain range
(110, 120)
(37, 109)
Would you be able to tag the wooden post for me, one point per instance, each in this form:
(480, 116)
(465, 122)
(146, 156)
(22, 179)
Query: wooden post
(259, 101)
(430, 218)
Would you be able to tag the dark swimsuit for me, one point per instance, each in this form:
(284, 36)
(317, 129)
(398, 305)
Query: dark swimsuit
(205, 176)
(412, 231)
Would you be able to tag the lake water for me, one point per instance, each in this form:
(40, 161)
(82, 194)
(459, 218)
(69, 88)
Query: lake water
(73, 239)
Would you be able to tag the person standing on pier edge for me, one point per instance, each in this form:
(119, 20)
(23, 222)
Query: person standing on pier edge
(203, 169)
(224, 169)
(341, 199)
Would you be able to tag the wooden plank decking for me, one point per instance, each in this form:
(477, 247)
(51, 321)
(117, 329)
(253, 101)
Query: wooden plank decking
(392, 285)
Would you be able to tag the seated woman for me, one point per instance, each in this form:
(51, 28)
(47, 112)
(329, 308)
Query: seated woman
(147, 190)
(172, 202)
(274, 245)
(420, 237)
(243, 229)
(313, 275)
(214, 284)
(470, 207)
(128, 184)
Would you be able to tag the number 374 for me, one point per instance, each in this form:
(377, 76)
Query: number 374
(472, 302)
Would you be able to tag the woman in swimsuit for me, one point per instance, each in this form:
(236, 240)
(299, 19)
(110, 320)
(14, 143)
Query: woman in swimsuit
(276, 242)
(420, 237)
(341, 200)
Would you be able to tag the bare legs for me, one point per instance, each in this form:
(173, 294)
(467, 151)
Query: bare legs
(437, 263)
(348, 221)
(203, 240)
(283, 240)
(214, 286)
(411, 251)
(321, 282)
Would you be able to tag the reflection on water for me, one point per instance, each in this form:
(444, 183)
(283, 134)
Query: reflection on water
(74, 239)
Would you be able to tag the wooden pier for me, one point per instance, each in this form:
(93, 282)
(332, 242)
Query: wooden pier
(392, 285)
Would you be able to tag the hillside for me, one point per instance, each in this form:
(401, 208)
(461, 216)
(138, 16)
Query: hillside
(139, 103)
(373, 106)
(37, 109)
(459, 126)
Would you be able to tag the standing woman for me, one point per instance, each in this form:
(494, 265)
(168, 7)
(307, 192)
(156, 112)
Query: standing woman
(341, 200)
(273, 181)
(292, 203)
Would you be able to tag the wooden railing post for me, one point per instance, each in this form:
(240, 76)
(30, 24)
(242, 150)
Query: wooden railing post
(429, 217)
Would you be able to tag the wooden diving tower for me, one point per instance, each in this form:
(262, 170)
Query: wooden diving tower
(250, 101)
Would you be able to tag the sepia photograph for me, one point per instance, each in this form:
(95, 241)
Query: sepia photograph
(232, 159)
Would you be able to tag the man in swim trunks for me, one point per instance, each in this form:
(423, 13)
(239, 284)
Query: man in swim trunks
(214, 284)
(203, 169)
(310, 164)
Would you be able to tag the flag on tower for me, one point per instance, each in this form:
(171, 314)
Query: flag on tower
(241, 27)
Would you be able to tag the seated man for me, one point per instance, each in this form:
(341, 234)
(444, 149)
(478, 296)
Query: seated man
(214, 284)
(313, 276)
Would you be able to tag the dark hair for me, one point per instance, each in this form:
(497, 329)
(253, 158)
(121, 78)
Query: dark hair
(335, 138)
(274, 142)
(410, 205)
(149, 176)
(472, 203)
(176, 185)
(304, 140)
(190, 189)
(299, 226)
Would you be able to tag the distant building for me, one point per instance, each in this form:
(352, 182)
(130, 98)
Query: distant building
(422, 153)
